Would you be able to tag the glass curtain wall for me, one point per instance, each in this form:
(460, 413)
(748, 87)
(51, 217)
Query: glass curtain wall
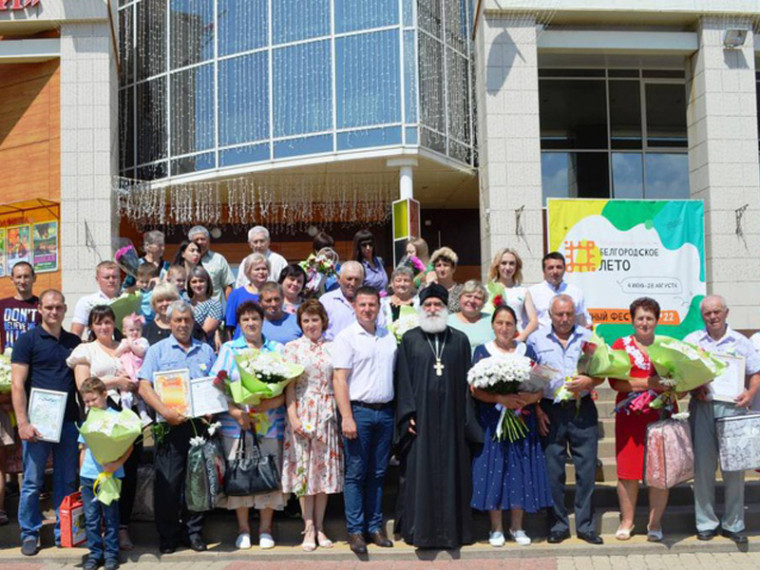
(207, 84)
(613, 133)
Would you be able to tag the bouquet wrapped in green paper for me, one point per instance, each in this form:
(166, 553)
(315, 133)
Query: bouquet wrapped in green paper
(107, 488)
(683, 366)
(108, 435)
(407, 320)
(598, 360)
(263, 375)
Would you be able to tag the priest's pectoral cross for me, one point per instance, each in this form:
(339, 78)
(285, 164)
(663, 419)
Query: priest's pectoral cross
(438, 367)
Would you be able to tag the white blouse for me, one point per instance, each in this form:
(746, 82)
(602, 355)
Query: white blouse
(102, 364)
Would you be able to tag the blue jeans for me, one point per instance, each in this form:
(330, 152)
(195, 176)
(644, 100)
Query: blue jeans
(65, 467)
(105, 545)
(366, 462)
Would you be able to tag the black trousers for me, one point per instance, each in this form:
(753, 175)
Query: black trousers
(169, 490)
(129, 484)
(576, 428)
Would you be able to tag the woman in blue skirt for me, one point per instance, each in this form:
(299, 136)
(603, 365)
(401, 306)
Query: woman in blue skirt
(508, 475)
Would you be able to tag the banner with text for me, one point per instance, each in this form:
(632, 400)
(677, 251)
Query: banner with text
(620, 250)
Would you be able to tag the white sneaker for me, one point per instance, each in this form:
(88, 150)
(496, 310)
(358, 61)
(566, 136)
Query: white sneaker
(266, 541)
(496, 538)
(519, 537)
(243, 541)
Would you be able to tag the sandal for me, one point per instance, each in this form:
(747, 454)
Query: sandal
(309, 544)
(323, 541)
(624, 533)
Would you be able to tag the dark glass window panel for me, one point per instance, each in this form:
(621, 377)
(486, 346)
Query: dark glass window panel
(151, 37)
(353, 15)
(667, 176)
(430, 16)
(367, 82)
(571, 73)
(757, 101)
(460, 152)
(432, 140)
(623, 72)
(243, 25)
(294, 20)
(575, 175)
(302, 89)
(195, 163)
(456, 25)
(573, 114)
(663, 73)
(191, 32)
(192, 110)
(126, 45)
(153, 171)
(627, 175)
(126, 128)
(368, 138)
(625, 114)
(666, 114)
(152, 134)
(458, 97)
(244, 99)
(306, 145)
(432, 99)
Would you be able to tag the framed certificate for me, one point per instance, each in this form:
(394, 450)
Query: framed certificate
(46, 411)
(190, 397)
(727, 386)
(205, 398)
(173, 389)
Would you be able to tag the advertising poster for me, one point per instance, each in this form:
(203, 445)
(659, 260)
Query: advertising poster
(18, 246)
(45, 241)
(3, 271)
(619, 250)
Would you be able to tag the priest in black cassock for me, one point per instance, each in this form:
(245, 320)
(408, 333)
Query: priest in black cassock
(435, 427)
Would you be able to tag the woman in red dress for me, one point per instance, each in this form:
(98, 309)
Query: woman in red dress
(631, 428)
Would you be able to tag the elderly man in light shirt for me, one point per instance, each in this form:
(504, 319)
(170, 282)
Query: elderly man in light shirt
(215, 263)
(258, 239)
(719, 338)
(554, 284)
(571, 422)
(339, 303)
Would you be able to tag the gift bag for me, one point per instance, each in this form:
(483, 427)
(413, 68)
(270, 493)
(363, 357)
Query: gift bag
(197, 486)
(669, 457)
(143, 507)
(216, 467)
(739, 442)
(73, 529)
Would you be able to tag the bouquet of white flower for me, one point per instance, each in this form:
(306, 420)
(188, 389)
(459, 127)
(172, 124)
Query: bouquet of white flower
(408, 319)
(263, 375)
(5, 371)
(503, 374)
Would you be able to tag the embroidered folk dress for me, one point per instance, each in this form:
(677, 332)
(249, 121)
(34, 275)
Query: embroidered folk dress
(631, 429)
(315, 464)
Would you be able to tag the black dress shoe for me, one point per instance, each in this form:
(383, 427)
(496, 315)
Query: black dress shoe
(196, 543)
(378, 537)
(707, 534)
(167, 548)
(737, 537)
(591, 537)
(357, 544)
(555, 537)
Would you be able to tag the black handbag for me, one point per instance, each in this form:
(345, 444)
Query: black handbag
(251, 472)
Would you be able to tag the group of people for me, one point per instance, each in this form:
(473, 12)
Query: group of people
(364, 396)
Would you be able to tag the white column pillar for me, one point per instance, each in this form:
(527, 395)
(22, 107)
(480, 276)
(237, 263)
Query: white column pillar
(723, 163)
(406, 175)
(509, 139)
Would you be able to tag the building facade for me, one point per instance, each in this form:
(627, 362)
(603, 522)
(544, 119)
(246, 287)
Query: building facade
(631, 99)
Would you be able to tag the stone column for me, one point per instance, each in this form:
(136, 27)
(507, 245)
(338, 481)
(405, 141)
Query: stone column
(723, 162)
(89, 134)
(509, 140)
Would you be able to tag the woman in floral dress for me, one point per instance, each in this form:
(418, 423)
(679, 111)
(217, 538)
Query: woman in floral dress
(312, 460)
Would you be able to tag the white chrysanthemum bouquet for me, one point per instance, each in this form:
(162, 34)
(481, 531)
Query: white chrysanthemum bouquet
(5, 371)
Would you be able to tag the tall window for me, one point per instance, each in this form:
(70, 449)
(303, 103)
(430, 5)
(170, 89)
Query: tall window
(613, 133)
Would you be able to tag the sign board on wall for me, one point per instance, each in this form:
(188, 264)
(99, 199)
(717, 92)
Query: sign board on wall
(620, 250)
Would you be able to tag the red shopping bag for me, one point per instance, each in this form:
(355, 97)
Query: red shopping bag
(73, 531)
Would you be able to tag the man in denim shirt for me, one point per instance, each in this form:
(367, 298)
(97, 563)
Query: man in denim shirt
(178, 351)
(572, 421)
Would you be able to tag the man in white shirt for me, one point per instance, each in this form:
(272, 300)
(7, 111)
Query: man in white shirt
(109, 287)
(553, 284)
(364, 356)
(258, 239)
(719, 338)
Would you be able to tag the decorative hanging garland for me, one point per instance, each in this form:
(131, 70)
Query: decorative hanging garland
(286, 203)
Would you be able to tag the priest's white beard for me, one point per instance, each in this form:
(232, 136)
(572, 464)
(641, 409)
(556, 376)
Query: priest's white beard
(434, 324)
